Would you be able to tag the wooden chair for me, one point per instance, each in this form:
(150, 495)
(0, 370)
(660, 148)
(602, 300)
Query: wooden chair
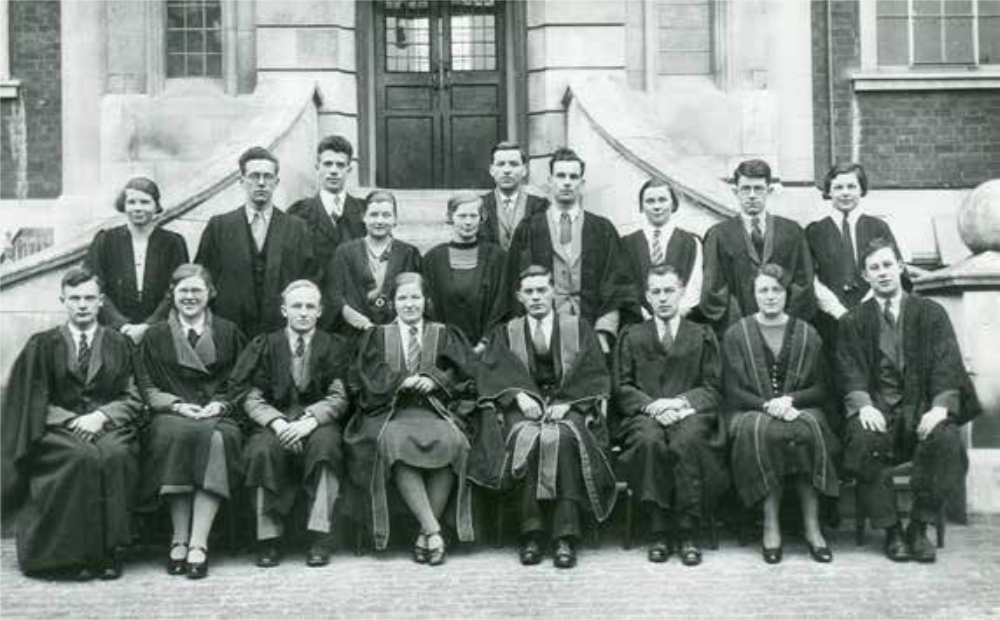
(901, 478)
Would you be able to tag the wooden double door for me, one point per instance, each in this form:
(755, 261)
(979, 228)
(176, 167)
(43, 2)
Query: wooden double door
(440, 90)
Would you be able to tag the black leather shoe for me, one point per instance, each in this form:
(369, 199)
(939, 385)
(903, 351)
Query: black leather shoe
(921, 548)
(84, 573)
(177, 567)
(690, 553)
(658, 552)
(823, 555)
(771, 555)
(530, 553)
(318, 554)
(114, 565)
(895, 546)
(198, 570)
(565, 555)
(268, 554)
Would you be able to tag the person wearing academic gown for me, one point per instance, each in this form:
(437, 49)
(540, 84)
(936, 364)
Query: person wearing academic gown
(296, 403)
(668, 382)
(135, 260)
(509, 202)
(735, 250)
(362, 270)
(776, 396)
(583, 252)
(464, 275)
(412, 379)
(193, 442)
(906, 392)
(545, 374)
(332, 215)
(661, 242)
(69, 446)
(254, 251)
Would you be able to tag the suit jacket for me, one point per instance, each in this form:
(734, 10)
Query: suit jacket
(489, 229)
(824, 239)
(681, 253)
(326, 236)
(226, 250)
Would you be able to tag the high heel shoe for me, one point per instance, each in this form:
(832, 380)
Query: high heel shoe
(436, 554)
(175, 566)
(771, 555)
(420, 549)
(198, 570)
(823, 555)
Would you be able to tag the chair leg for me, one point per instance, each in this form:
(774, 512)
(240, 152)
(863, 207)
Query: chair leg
(859, 517)
(629, 524)
(713, 532)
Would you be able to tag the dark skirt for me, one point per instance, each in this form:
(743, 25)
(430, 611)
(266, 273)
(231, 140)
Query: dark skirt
(184, 455)
(422, 439)
(767, 450)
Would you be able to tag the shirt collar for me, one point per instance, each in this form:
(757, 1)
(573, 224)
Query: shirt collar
(895, 302)
(404, 327)
(198, 326)
(501, 199)
(852, 217)
(75, 332)
(333, 203)
(266, 212)
(574, 212)
(672, 324)
(546, 322)
(293, 337)
(665, 231)
(748, 223)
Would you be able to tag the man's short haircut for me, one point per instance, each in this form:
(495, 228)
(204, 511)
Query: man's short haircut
(657, 182)
(665, 270)
(507, 145)
(773, 270)
(876, 244)
(78, 275)
(190, 270)
(295, 285)
(532, 271)
(140, 184)
(566, 154)
(381, 195)
(754, 169)
(337, 144)
(463, 198)
(845, 168)
(255, 153)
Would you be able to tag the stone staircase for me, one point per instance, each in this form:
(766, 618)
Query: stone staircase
(422, 217)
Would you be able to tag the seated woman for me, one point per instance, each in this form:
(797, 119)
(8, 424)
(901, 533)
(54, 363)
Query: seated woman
(193, 444)
(408, 376)
(775, 393)
(362, 270)
(463, 275)
(135, 261)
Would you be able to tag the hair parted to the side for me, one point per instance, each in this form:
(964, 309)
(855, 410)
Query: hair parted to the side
(140, 184)
(75, 276)
(876, 244)
(753, 169)
(255, 153)
(665, 270)
(295, 285)
(337, 144)
(191, 270)
(463, 198)
(564, 153)
(381, 195)
(845, 168)
(775, 271)
(657, 182)
(532, 271)
(507, 145)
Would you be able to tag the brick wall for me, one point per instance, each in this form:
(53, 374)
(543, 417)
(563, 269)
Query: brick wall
(843, 19)
(35, 61)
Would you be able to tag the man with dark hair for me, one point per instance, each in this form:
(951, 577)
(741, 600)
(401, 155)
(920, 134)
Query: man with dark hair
(582, 250)
(546, 374)
(736, 248)
(69, 441)
(508, 203)
(906, 392)
(333, 215)
(668, 382)
(254, 251)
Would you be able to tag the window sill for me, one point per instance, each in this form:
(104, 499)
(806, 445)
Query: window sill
(927, 80)
(9, 89)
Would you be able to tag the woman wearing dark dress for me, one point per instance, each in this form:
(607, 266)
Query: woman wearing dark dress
(408, 376)
(463, 276)
(193, 443)
(363, 270)
(775, 392)
(135, 260)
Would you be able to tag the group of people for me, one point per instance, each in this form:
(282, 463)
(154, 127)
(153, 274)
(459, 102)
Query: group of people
(310, 356)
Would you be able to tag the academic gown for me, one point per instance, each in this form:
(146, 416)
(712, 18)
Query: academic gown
(489, 229)
(374, 379)
(76, 495)
(472, 311)
(185, 454)
(110, 257)
(672, 466)
(548, 450)
(227, 251)
(732, 263)
(681, 251)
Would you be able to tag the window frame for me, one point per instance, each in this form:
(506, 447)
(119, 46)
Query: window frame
(156, 61)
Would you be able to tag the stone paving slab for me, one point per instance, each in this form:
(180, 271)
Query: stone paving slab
(733, 582)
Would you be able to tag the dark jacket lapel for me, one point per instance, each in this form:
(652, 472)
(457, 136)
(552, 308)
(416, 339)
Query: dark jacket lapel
(274, 245)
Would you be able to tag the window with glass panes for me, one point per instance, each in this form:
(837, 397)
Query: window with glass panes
(928, 33)
(194, 38)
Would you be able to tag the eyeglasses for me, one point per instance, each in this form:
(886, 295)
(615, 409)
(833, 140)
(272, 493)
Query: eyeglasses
(260, 177)
(752, 190)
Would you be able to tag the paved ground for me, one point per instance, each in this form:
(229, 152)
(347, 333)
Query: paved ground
(487, 583)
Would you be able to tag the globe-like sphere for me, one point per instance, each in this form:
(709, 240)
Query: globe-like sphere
(979, 218)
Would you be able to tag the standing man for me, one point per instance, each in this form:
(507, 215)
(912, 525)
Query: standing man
(508, 203)
(736, 249)
(254, 251)
(906, 392)
(69, 441)
(332, 215)
(582, 250)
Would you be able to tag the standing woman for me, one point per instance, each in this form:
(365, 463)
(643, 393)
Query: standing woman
(408, 376)
(463, 276)
(775, 388)
(193, 443)
(135, 261)
(363, 269)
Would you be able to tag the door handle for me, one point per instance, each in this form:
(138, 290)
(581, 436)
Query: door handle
(445, 77)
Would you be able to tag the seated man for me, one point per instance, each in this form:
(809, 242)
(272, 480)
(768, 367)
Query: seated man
(69, 442)
(546, 373)
(906, 392)
(667, 392)
(297, 402)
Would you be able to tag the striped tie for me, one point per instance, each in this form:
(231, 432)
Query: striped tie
(413, 350)
(657, 254)
(83, 354)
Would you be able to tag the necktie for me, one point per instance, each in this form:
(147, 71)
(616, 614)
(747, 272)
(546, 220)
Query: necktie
(413, 350)
(565, 229)
(538, 339)
(335, 212)
(668, 338)
(192, 338)
(506, 205)
(300, 347)
(83, 354)
(888, 315)
(299, 363)
(850, 263)
(258, 230)
(756, 236)
(656, 255)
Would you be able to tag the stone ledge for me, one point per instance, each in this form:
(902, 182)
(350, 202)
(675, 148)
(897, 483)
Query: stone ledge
(972, 79)
(9, 89)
